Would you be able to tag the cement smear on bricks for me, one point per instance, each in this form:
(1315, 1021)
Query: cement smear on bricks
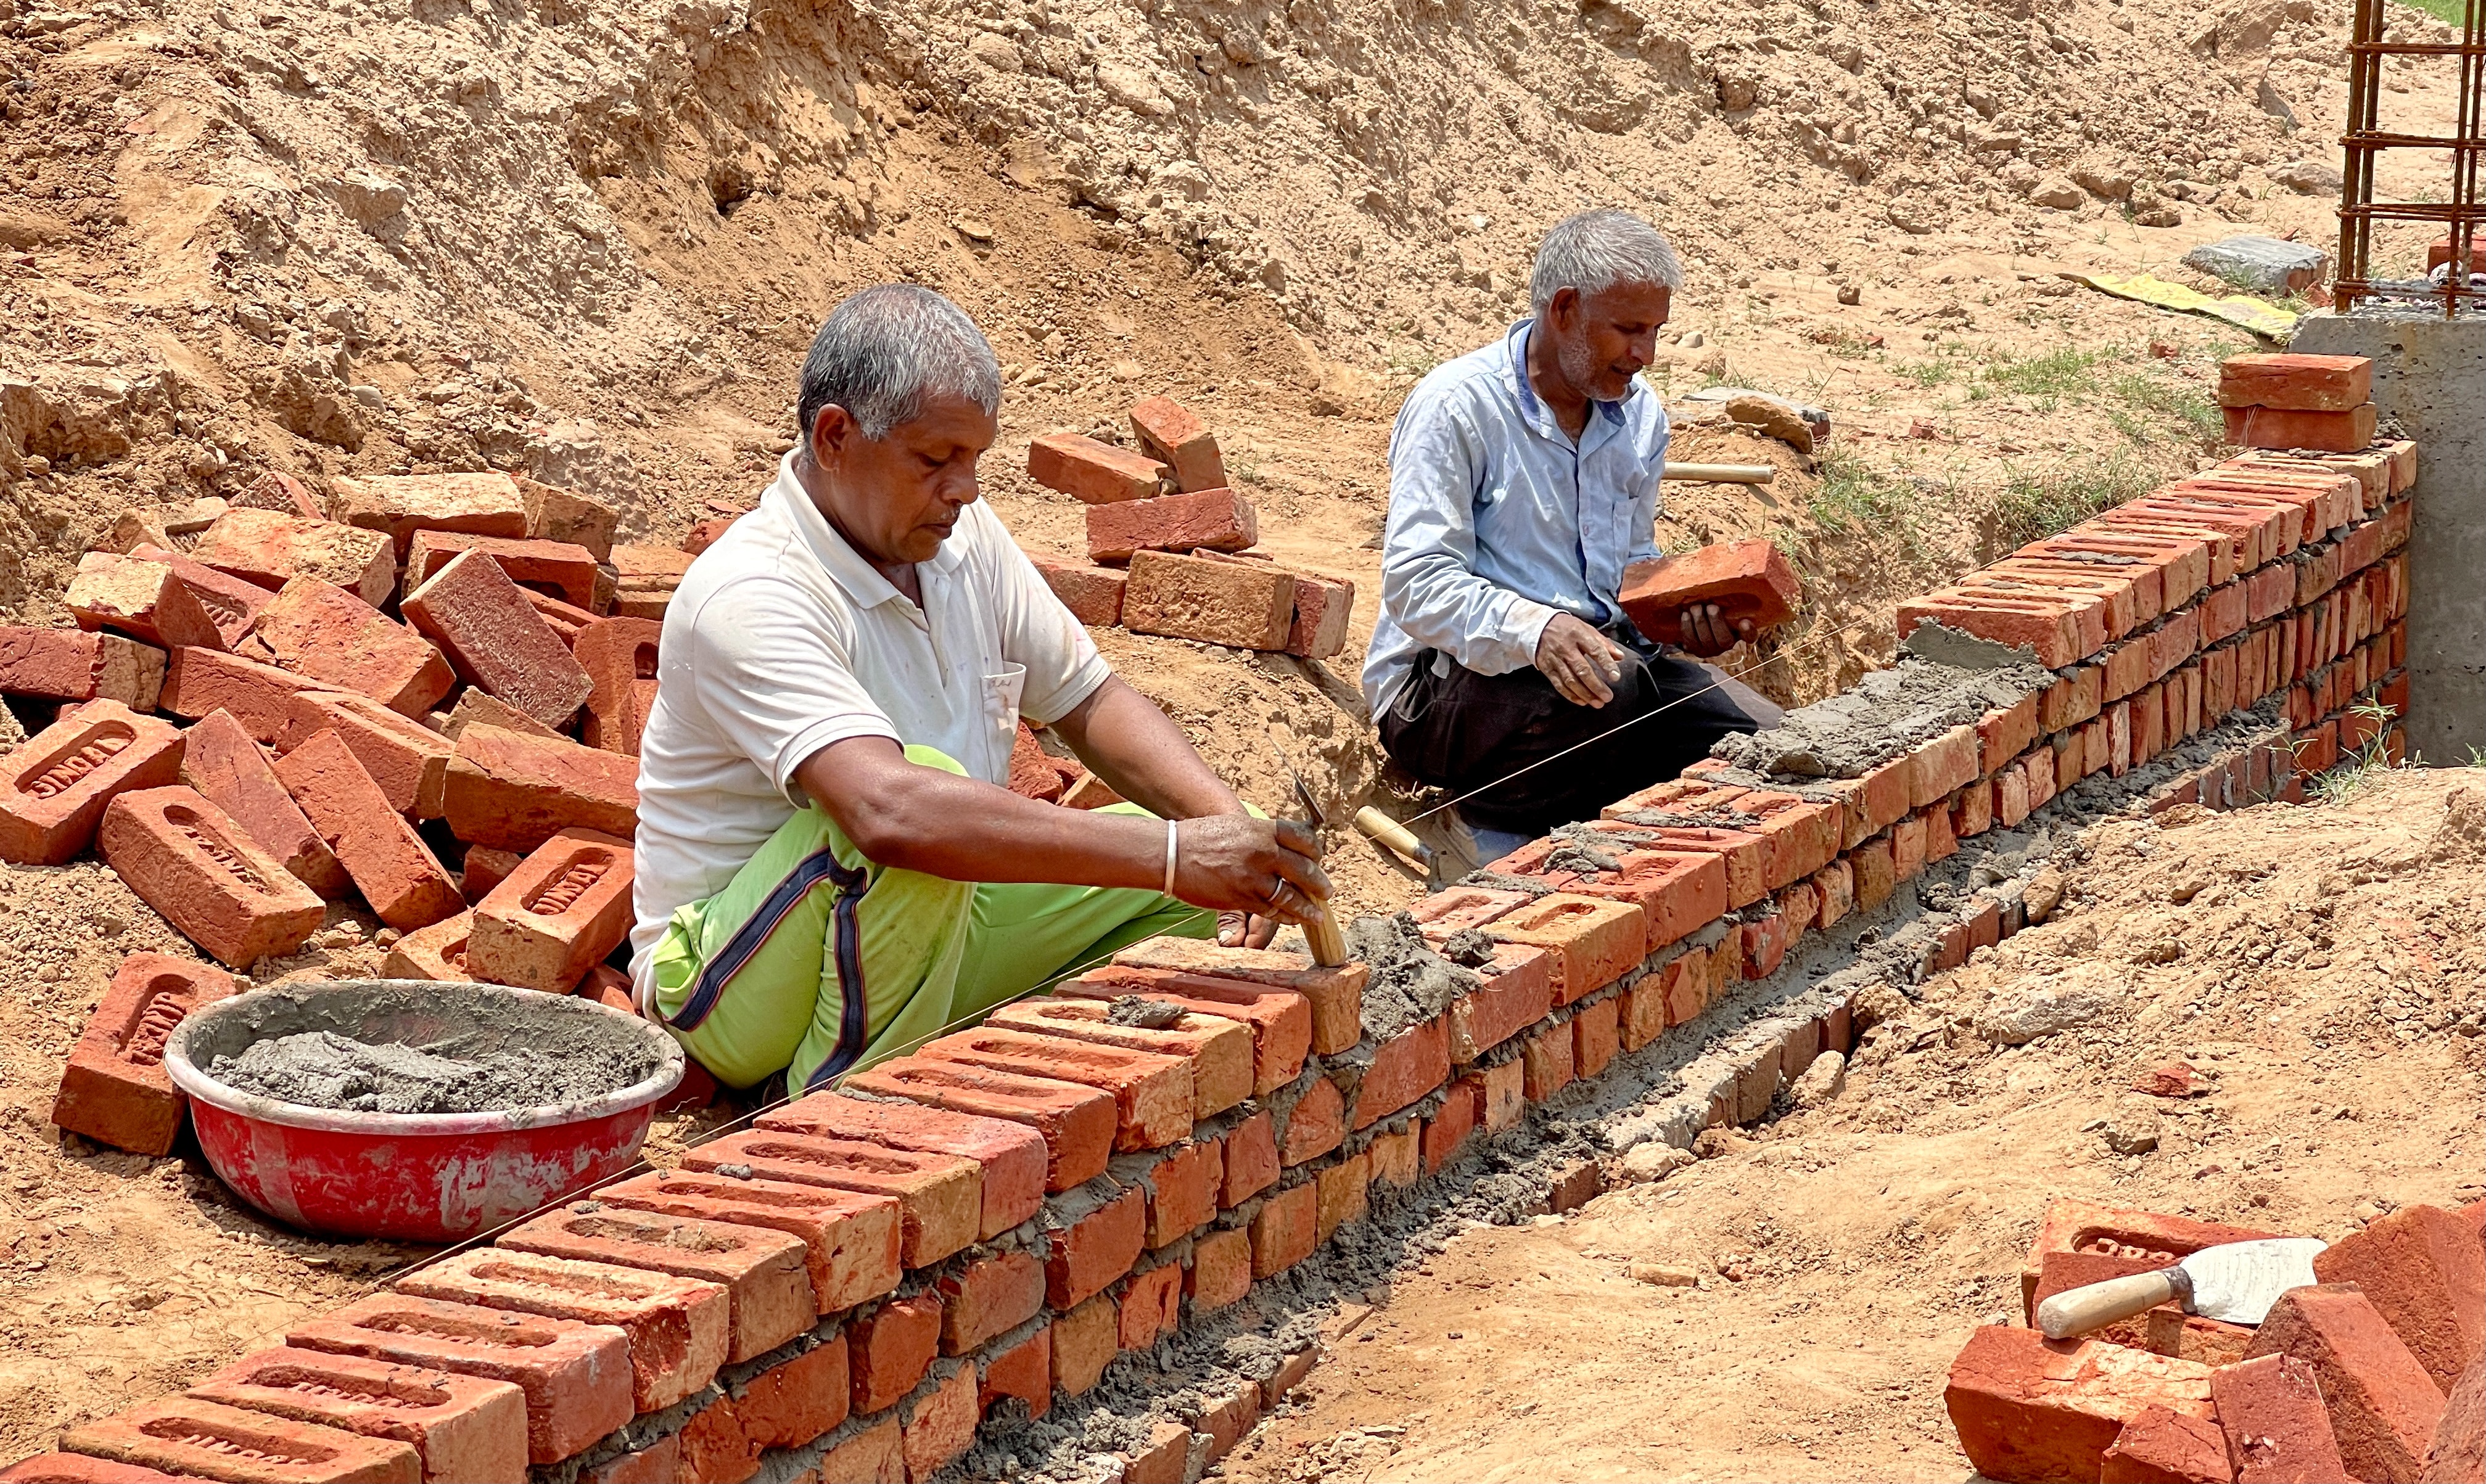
(1886, 714)
(1411, 983)
(322, 1069)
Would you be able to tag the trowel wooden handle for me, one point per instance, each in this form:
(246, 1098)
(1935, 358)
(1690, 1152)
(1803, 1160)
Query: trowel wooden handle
(2078, 1311)
(1379, 825)
(1721, 474)
(1327, 939)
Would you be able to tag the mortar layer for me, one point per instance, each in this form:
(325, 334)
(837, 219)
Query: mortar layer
(1410, 982)
(1886, 713)
(322, 1069)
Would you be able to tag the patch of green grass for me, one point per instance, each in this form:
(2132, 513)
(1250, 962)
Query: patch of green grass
(2188, 409)
(2048, 378)
(2357, 770)
(2448, 11)
(1856, 496)
(2037, 504)
(1936, 373)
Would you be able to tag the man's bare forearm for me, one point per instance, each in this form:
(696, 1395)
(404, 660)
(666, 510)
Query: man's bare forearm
(1138, 750)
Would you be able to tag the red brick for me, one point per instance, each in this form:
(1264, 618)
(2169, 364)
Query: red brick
(70, 665)
(2307, 384)
(576, 1377)
(1458, 908)
(55, 787)
(515, 792)
(2276, 1427)
(2424, 1270)
(1218, 519)
(1242, 605)
(2159, 1446)
(2026, 1407)
(323, 631)
(1403, 1069)
(79, 1468)
(122, 593)
(1092, 594)
(1681, 989)
(1011, 1155)
(939, 1196)
(271, 549)
(280, 492)
(1183, 1190)
(1396, 1159)
(1090, 472)
(1315, 1125)
(220, 760)
(713, 1449)
(2459, 1450)
(645, 578)
(196, 867)
(1164, 1459)
(1336, 993)
(2270, 427)
(1747, 855)
(1152, 1303)
(1547, 1060)
(2052, 629)
(215, 1442)
(198, 682)
(1593, 942)
(892, 1347)
(1765, 945)
(481, 504)
(461, 1428)
(1341, 1186)
(1280, 1020)
(562, 912)
(619, 658)
(1448, 1130)
(1324, 610)
(2382, 1404)
(1218, 1052)
(567, 620)
(1285, 1230)
(1248, 1152)
(1087, 1339)
(1078, 1124)
(850, 1238)
(471, 610)
(409, 761)
(1517, 991)
(762, 1270)
(1972, 813)
(989, 1297)
(557, 515)
(1176, 436)
(680, 1327)
(1085, 1253)
(114, 1089)
(940, 1427)
(564, 570)
(1748, 580)
(2166, 571)
(2120, 604)
(1025, 1371)
(1151, 1093)
(871, 1455)
(438, 953)
(1678, 892)
(392, 866)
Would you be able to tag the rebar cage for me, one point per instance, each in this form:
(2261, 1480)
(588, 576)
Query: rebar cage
(2463, 212)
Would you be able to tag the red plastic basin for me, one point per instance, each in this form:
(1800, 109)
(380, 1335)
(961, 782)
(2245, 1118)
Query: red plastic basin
(414, 1177)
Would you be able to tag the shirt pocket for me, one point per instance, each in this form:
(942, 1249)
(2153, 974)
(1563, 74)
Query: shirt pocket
(1002, 691)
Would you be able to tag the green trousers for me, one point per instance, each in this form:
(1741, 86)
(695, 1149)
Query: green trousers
(816, 959)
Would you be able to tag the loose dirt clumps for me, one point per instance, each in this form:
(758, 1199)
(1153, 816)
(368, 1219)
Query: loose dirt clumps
(2317, 968)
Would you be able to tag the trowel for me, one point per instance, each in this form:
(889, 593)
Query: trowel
(2236, 1281)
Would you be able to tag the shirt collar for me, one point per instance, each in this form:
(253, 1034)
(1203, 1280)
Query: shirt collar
(1532, 407)
(856, 577)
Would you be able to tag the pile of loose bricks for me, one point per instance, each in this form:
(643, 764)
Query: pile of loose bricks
(2373, 1373)
(1169, 543)
(846, 1290)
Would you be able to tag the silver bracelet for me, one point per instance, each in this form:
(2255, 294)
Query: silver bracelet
(1173, 849)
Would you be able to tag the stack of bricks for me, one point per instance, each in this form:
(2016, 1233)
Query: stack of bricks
(1169, 543)
(2318, 402)
(2373, 1373)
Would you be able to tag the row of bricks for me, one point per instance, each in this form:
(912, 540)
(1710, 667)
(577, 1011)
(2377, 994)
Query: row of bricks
(1243, 602)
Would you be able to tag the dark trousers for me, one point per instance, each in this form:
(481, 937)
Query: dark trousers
(1462, 731)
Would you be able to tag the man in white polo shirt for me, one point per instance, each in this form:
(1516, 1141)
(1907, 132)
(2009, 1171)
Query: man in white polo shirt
(830, 867)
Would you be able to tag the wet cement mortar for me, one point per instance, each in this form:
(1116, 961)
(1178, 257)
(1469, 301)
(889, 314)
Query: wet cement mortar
(1886, 714)
(322, 1069)
(1505, 1181)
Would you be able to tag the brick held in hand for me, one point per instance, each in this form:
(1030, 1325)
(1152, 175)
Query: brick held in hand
(2307, 383)
(390, 864)
(272, 549)
(1242, 605)
(72, 664)
(1090, 472)
(1176, 436)
(1748, 580)
(201, 872)
(318, 629)
(1011, 1155)
(54, 789)
(485, 502)
(940, 1197)
(206, 1440)
(514, 793)
(680, 1327)
(557, 916)
(114, 1089)
(408, 760)
(564, 570)
(1220, 520)
(462, 1427)
(620, 659)
(471, 609)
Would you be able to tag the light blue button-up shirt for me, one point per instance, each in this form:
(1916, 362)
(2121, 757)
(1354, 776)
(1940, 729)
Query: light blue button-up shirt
(1498, 521)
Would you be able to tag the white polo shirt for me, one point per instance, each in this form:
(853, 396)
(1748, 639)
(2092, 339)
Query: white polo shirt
(782, 639)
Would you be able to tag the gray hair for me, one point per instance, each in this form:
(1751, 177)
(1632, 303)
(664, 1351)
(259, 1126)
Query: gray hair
(884, 351)
(1592, 250)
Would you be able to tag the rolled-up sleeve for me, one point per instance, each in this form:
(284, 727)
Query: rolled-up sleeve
(1428, 579)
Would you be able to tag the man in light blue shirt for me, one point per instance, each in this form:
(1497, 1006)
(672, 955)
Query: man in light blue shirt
(1523, 481)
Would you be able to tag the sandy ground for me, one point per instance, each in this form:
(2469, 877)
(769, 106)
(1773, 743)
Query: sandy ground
(2320, 965)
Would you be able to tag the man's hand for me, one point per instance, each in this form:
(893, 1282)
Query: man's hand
(1267, 868)
(1583, 664)
(1706, 632)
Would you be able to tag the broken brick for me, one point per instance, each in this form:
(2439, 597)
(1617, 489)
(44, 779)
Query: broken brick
(2028, 1408)
(271, 549)
(72, 664)
(1174, 435)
